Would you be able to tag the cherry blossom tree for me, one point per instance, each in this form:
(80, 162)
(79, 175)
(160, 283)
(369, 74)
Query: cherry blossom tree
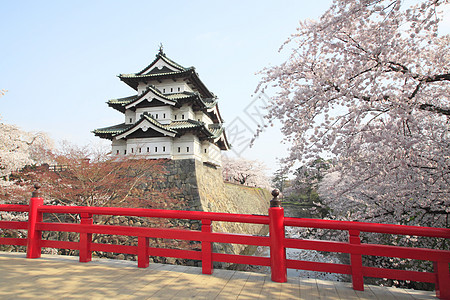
(19, 148)
(88, 176)
(245, 171)
(369, 84)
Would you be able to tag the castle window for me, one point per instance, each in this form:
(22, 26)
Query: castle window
(175, 117)
(164, 90)
(132, 150)
(171, 90)
(148, 149)
(125, 151)
(156, 149)
(164, 148)
(156, 116)
(179, 149)
(182, 116)
(178, 89)
(164, 116)
(140, 150)
(205, 150)
(187, 149)
(131, 120)
(117, 152)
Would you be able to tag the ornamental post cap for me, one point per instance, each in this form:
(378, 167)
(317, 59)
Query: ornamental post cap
(275, 192)
(36, 193)
(275, 202)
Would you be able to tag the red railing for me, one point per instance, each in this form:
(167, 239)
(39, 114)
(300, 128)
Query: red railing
(276, 241)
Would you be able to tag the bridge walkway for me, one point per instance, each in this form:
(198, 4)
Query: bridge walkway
(63, 277)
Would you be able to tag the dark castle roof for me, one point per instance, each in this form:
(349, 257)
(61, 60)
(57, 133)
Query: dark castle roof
(151, 73)
(175, 128)
(160, 99)
(201, 99)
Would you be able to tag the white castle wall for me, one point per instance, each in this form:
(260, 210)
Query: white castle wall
(167, 87)
(130, 117)
(185, 147)
(161, 113)
(185, 112)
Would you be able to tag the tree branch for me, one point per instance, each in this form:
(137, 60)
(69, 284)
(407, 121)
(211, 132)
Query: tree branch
(435, 109)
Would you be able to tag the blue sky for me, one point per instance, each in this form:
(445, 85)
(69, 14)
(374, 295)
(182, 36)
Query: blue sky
(59, 59)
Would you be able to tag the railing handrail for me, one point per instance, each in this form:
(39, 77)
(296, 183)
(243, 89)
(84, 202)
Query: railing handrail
(369, 249)
(14, 207)
(241, 218)
(369, 227)
(249, 218)
(157, 213)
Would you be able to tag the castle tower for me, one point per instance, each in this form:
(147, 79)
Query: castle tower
(172, 116)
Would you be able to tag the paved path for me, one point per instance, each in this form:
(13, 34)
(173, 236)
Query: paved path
(58, 277)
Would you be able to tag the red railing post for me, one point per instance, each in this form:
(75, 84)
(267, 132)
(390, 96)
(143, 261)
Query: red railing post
(356, 262)
(86, 239)
(206, 249)
(276, 232)
(442, 279)
(143, 255)
(34, 236)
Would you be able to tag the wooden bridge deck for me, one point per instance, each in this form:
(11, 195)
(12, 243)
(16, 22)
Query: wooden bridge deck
(57, 277)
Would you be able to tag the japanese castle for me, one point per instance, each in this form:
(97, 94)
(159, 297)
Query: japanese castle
(173, 115)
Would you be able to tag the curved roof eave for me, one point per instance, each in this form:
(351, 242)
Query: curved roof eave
(133, 80)
(214, 111)
(109, 132)
(155, 125)
(222, 137)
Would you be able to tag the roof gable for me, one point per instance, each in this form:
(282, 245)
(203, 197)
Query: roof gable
(161, 64)
(160, 69)
(141, 134)
(145, 124)
(148, 127)
(149, 95)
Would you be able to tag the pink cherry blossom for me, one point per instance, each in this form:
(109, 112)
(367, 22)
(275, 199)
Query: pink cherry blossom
(368, 85)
